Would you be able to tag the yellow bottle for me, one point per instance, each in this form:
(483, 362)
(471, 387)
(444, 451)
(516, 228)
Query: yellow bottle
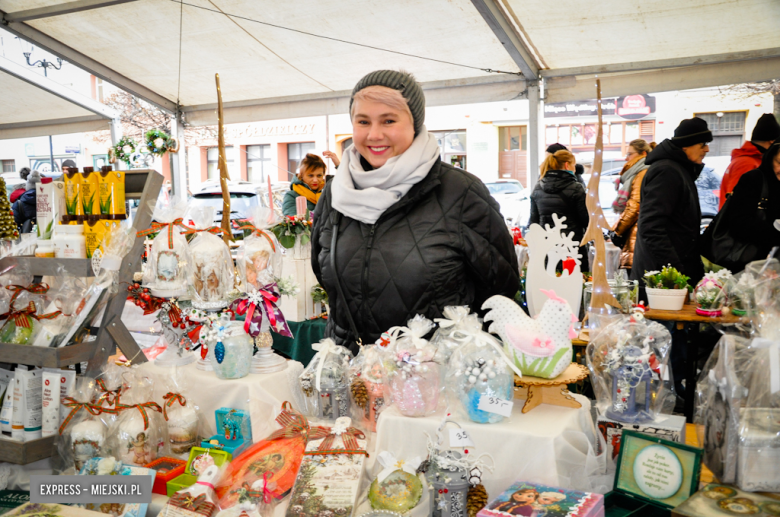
(73, 203)
(94, 233)
(90, 196)
(112, 194)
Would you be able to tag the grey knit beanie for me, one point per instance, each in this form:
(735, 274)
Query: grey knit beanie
(32, 179)
(404, 83)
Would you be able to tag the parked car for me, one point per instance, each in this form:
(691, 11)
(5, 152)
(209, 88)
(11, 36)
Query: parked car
(243, 199)
(278, 189)
(513, 199)
(607, 191)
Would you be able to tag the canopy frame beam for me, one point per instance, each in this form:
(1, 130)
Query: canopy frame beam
(507, 36)
(92, 66)
(76, 6)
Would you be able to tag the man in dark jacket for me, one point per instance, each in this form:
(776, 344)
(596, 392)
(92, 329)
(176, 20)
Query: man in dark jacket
(670, 219)
(25, 208)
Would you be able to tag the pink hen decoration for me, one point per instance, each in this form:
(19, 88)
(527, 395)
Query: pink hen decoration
(540, 346)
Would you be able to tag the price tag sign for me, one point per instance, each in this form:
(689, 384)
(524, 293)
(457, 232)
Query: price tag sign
(495, 405)
(460, 438)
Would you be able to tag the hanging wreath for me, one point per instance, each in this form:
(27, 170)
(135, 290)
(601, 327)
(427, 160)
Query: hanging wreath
(159, 142)
(124, 149)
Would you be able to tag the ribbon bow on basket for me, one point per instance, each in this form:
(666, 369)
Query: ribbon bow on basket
(75, 406)
(296, 425)
(157, 227)
(20, 316)
(142, 408)
(254, 305)
(110, 397)
(170, 398)
(246, 225)
(349, 437)
(390, 464)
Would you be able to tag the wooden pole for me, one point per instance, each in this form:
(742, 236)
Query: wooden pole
(602, 296)
(224, 176)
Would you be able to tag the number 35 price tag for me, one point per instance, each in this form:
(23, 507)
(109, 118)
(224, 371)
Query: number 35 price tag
(460, 438)
(495, 405)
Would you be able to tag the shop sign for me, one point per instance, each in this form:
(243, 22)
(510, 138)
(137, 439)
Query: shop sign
(631, 107)
(279, 130)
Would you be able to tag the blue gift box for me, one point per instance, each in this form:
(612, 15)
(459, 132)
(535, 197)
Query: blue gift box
(234, 431)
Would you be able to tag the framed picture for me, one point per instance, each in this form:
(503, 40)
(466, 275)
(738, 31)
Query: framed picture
(656, 470)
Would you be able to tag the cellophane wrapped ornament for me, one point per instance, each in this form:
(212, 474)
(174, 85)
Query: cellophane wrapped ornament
(740, 293)
(230, 348)
(26, 307)
(182, 415)
(325, 381)
(211, 270)
(720, 393)
(259, 260)
(479, 370)
(455, 329)
(169, 260)
(82, 433)
(275, 459)
(711, 293)
(65, 297)
(368, 386)
(140, 433)
(412, 373)
(397, 487)
(117, 243)
(628, 362)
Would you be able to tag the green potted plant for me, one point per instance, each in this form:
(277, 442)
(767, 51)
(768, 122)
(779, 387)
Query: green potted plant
(666, 289)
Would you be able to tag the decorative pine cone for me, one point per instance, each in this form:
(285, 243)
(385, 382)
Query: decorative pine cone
(477, 499)
(359, 392)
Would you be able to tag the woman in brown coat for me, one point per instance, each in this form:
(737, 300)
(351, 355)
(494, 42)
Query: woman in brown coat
(627, 201)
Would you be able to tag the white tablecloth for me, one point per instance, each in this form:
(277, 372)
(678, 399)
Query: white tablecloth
(261, 394)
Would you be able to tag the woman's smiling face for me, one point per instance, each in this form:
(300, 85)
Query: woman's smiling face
(379, 131)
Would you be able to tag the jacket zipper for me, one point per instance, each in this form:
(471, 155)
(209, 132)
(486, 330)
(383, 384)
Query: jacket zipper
(364, 274)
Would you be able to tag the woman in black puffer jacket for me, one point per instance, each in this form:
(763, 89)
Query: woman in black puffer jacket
(411, 234)
(559, 192)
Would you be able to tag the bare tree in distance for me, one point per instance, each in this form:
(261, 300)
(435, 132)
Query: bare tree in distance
(747, 90)
(138, 117)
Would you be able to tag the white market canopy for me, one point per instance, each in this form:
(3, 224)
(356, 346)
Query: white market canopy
(32, 105)
(270, 72)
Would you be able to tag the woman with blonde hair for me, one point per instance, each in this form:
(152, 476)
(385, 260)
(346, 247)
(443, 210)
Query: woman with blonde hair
(559, 192)
(398, 232)
(628, 198)
(308, 183)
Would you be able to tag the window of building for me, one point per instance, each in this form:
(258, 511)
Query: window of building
(258, 163)
(452, 145)
(728, 130)
(212, 157)
(9, 165)
(513, 138)
(99, 160)
(616, 134)
(295, 154)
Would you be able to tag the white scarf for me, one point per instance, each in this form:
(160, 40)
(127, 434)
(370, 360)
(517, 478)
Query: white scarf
(365, 195)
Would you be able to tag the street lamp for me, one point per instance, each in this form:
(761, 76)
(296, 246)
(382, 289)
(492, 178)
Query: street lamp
(45, 64)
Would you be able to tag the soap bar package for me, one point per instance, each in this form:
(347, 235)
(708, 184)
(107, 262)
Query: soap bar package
(524, 498)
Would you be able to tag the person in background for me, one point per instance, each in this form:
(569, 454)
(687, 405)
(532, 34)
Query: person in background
(579, 170)
(559, 192)
(669, 223)
(24, 173)
(398, 232)
(748, 157)
(746, 199)
(627, 202)
(25, 208)
(555, 147)
(308, 183)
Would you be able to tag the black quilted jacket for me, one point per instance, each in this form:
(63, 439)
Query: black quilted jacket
(559, 192)
(444, 243)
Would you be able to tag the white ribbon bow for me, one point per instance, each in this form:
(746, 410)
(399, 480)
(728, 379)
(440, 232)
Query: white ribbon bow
(774, 361)
(391, 464)
(323, 348)
(398, 332)
(483, 338)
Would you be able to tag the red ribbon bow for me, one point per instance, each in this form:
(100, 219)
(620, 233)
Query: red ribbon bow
(268, 296)
(212, 229)
(246, 225)
(106, 394)
(156, 227)
(349, 437)
(170, 398)
(75, 406)
(20, 316)
(295, 425)
(142, 408)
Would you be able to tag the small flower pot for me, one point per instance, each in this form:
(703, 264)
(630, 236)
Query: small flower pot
(666, 299)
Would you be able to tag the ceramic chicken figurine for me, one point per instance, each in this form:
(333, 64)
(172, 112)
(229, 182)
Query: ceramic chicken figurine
(541, 346)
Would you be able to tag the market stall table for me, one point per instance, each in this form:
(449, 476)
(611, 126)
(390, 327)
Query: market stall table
(305, 332)
(688, 315)
(261, 394)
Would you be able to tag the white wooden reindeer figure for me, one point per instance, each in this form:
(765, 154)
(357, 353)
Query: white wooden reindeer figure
(554, 246)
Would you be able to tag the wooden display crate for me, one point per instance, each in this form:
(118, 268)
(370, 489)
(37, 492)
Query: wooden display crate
(23, 453)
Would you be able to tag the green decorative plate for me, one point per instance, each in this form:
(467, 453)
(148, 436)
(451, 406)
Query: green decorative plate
(399, 492)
